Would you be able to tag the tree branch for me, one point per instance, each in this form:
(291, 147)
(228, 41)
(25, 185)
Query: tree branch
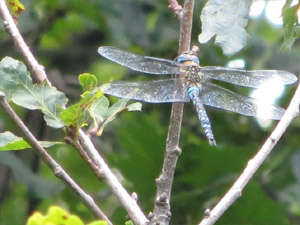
(38, 73)
(102, 170)
(52, 164)
(176, 8)
(161, 213)
(33, 66)
(253, 164)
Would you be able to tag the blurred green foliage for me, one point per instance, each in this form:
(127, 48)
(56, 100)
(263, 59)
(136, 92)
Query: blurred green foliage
(58, 216)
(65, 35)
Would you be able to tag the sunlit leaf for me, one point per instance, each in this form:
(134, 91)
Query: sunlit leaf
(16, 8)
(87, 81)
(225, 19)
(8, 141)
(76, 115)
(57, 215)
(16, 82)
(129, 222)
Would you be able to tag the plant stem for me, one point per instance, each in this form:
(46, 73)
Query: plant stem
(51, 163)
(38, 73)
(102, 171)
(33, 66)
(161, 214)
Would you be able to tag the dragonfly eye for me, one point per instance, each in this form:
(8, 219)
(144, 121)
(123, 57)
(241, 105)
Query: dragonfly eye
(187, 57)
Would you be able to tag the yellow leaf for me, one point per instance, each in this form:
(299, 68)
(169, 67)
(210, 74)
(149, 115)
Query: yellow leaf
(16, 8)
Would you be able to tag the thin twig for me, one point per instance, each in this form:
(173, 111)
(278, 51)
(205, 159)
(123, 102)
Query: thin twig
(33, 66)
(38, 73)
(176, 8)
(236, 190)
(52, 164)
(102, 170)
(161, 213)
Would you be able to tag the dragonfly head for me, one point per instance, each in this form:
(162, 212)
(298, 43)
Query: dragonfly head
(188, 57)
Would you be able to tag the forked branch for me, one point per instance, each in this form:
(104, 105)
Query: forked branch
(52, 164)
(38, 73)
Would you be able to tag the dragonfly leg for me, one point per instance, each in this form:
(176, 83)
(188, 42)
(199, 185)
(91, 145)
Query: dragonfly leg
(204, 120)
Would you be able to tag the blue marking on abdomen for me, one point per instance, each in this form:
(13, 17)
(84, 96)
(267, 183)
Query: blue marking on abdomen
(192, 90)
(193, 93)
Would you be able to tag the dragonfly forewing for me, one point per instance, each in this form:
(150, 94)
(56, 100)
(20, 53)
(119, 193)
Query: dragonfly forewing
(251, 78)
(219, 97)
(139, 63)
(158, 91)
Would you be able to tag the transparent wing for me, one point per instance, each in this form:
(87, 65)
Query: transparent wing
(139, 63)
(251, 78)
(168, 90)
(219, 97)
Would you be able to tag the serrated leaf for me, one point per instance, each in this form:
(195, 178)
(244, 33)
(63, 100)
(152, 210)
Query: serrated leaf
(8, 141)
(225, 19)
(290, 26)
(87, 81)
(17, 84)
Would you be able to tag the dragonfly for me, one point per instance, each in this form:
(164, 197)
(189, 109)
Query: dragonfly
(191, 82)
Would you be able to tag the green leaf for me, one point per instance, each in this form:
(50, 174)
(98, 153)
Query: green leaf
(76, 115)
(8, 141)
(137, 106)
(98, 108)
(226, 20)
(290, 26)
(16, 82)
(87, 81)
(103, 115)
(56, 215)
(129, 222)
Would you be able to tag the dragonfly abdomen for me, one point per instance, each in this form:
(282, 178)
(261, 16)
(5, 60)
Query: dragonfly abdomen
(204, 120)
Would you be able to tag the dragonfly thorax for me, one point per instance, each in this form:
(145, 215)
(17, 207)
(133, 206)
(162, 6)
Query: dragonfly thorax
(193, 74)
